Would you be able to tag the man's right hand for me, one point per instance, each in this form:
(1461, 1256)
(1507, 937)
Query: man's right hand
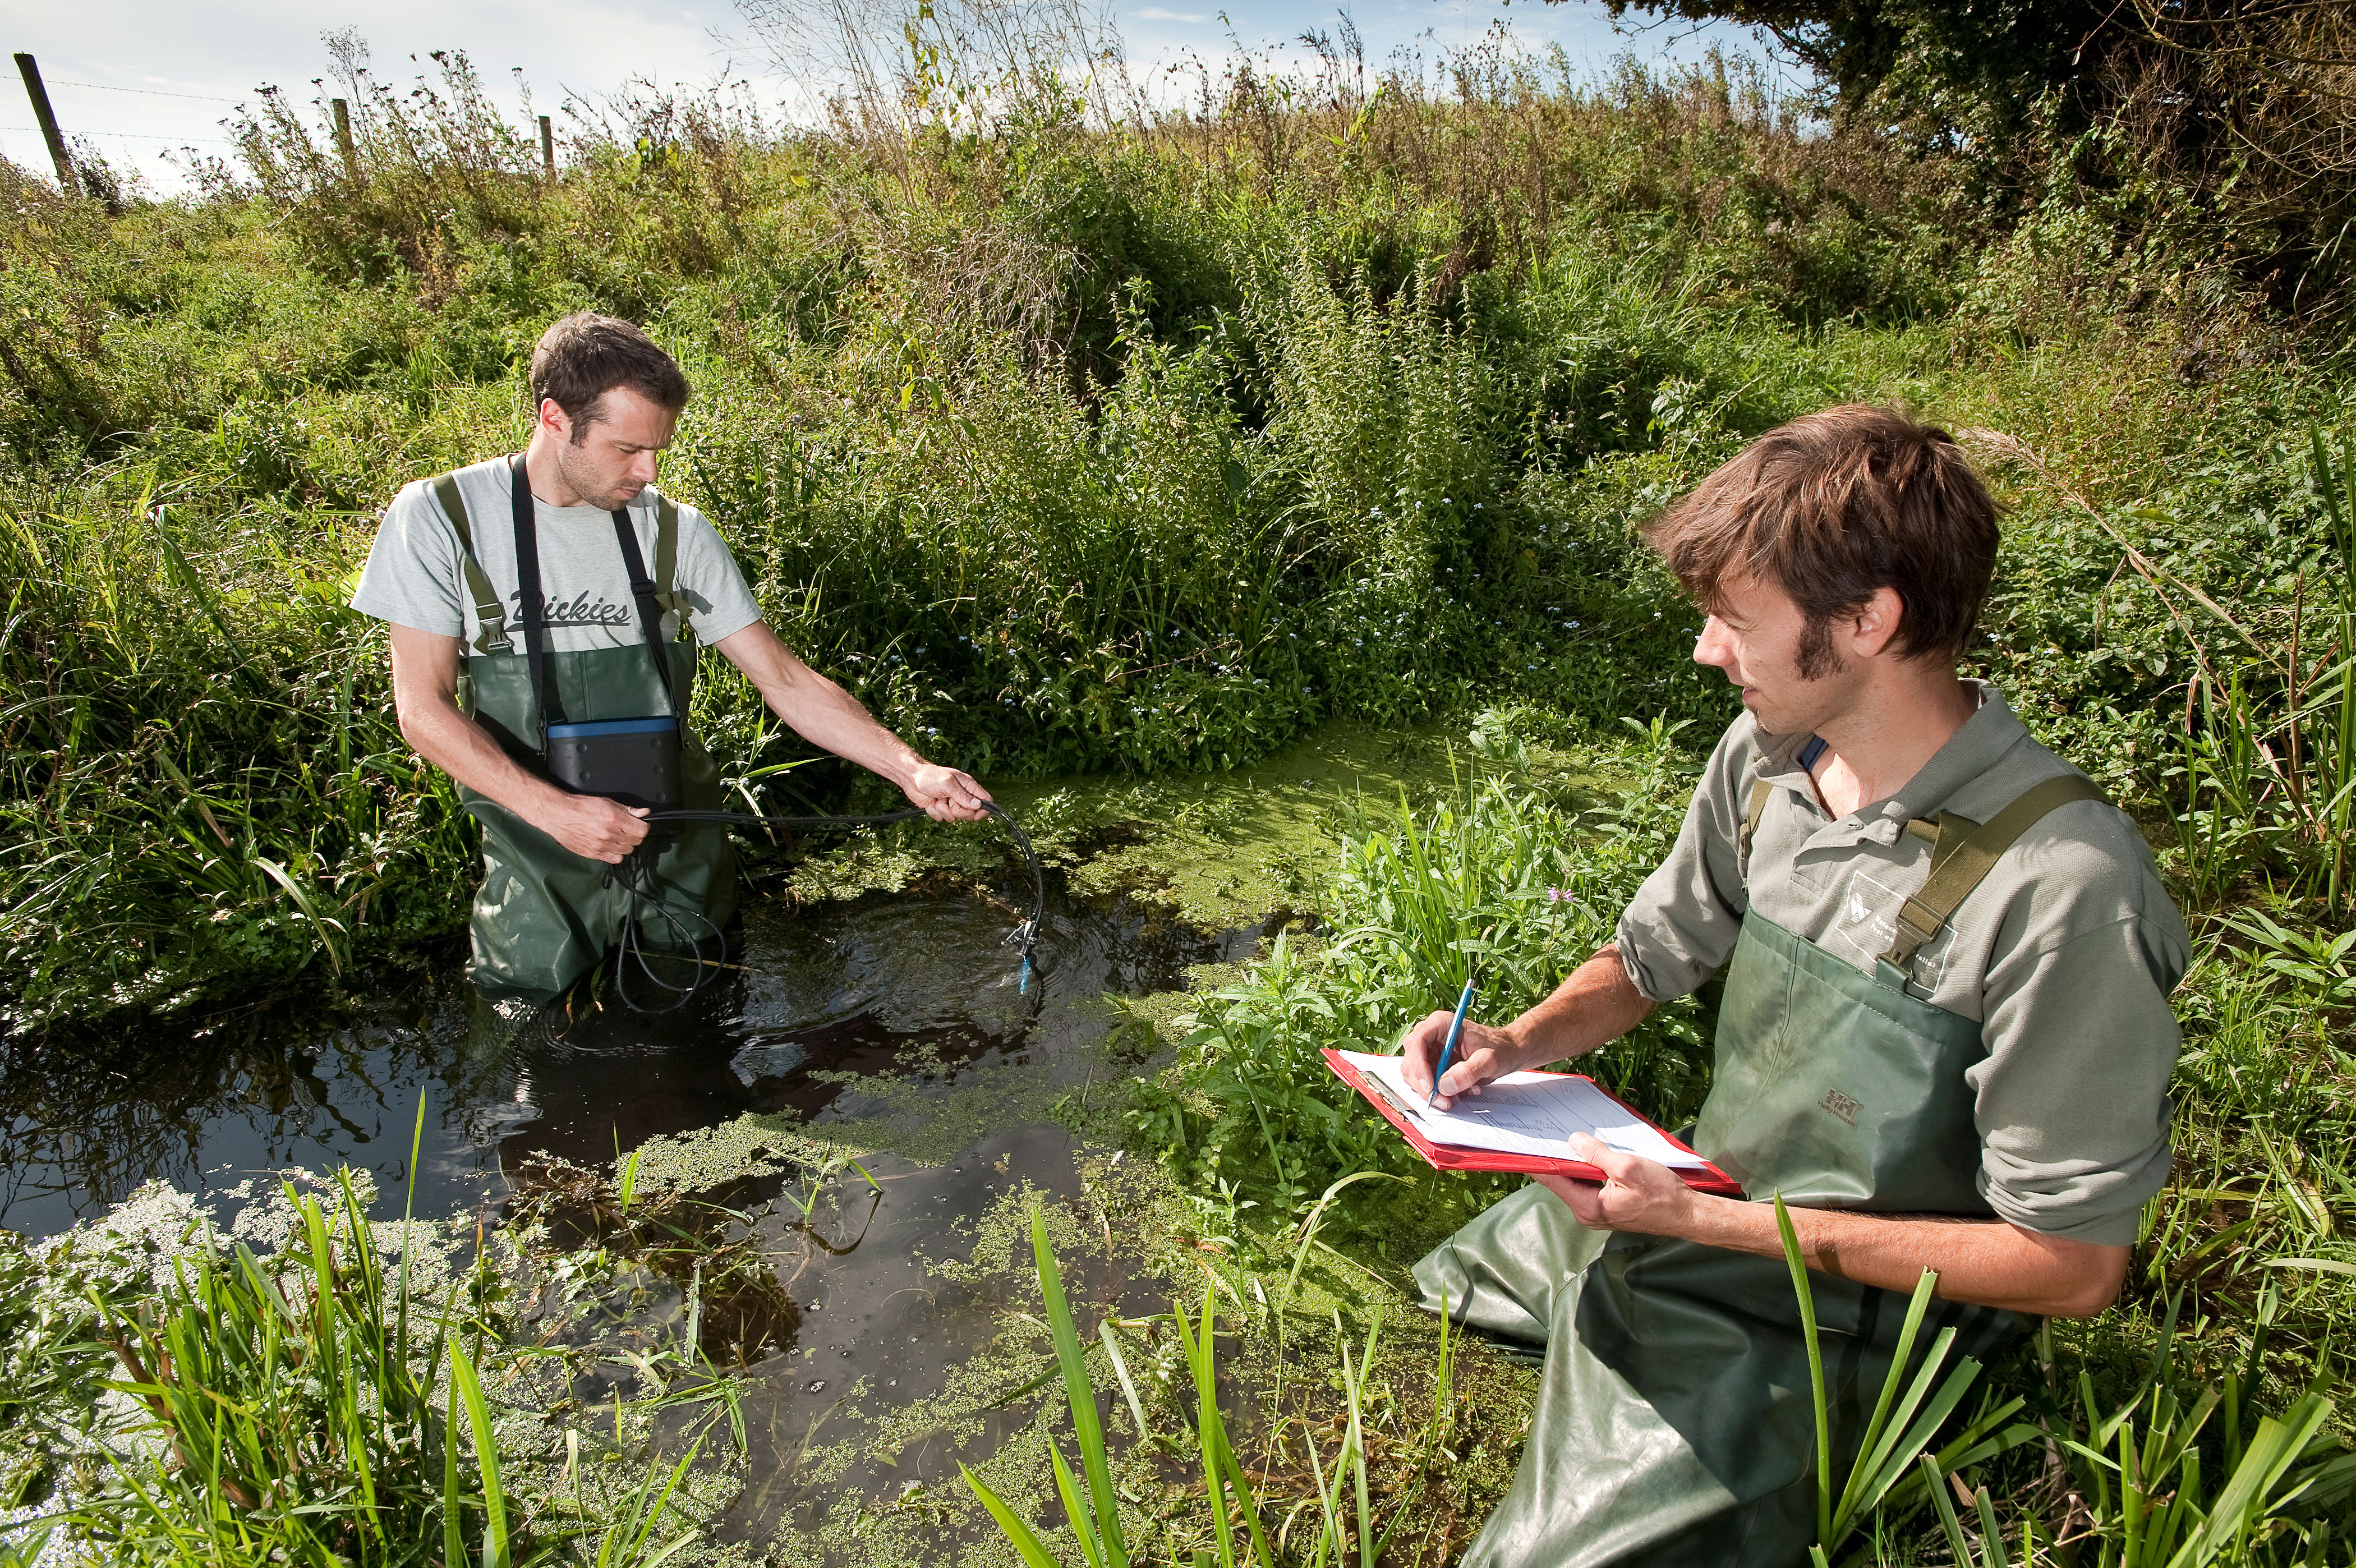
(594, 827)
(1482, 1054)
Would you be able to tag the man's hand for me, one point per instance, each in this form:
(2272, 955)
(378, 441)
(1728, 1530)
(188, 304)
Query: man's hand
(1639, 1195)
(947, 795)
(1594, 1004)
(592, 826)
(1483, 1054)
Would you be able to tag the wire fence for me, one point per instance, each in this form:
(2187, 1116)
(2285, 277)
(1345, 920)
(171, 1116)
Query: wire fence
(143, 151)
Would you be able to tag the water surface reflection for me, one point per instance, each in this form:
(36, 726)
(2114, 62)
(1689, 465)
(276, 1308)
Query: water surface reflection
(916, 982)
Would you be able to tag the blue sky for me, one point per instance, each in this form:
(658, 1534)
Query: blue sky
(139, 76)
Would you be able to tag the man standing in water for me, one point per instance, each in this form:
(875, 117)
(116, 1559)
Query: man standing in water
(1944, 1039)
(519, 594)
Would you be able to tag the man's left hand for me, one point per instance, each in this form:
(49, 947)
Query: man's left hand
(947, 795)
(1640, 1195)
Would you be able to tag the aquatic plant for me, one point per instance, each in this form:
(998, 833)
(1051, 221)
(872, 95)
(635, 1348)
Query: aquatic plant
(1900, 1431)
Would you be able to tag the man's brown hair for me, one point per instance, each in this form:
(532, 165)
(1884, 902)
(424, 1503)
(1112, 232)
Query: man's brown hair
(1832, 506)
(585, 355)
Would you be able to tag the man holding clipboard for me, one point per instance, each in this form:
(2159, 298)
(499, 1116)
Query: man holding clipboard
(1944, 1039)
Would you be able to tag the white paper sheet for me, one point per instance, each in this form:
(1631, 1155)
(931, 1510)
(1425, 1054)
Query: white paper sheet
(1524, 1113)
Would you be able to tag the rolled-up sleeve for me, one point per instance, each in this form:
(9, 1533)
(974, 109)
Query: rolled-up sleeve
(1682, 925)
(2071, 1099)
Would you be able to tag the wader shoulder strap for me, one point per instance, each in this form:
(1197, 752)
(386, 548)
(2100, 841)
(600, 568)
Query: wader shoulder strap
(1958, 868)
(490, 616)
(1760, 793)
(545, 708)
(642, 589)
(666, 565)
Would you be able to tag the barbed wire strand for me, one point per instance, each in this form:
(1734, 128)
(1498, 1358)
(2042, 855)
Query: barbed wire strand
(150, 91)
(128, 136)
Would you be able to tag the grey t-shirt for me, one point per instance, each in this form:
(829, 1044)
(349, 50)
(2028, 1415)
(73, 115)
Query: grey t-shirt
(415, 572)
(2065, 953)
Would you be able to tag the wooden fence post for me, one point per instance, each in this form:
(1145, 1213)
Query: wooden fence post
(343, 112)
(547, 150)
(47, 121)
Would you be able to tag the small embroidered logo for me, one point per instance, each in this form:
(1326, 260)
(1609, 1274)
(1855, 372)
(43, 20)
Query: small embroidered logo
(1840, 1105)
(1857, 912)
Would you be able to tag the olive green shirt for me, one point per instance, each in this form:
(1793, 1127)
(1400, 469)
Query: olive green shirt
(2064, 954)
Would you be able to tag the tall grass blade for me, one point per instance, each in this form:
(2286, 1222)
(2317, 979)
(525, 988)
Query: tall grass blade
(1916, 1309)
(1351, 1376)
(2249, 1494)
(497, 1550)
(1934, 1483)
(1120, 1371)
(1808, 1300)
(1027, 1544)
(1068, 1494)
(1315, 1219)
(1201, 1365)
(454, 1502)
(1081, 1394)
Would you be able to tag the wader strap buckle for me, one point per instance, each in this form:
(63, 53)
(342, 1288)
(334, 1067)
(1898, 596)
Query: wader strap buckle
(490, 616)
(1961, 860)
(667, 566)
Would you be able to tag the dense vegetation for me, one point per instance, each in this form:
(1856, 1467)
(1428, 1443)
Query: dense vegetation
(1071, 445)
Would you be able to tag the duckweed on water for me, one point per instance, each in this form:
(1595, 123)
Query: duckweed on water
(1222, 850)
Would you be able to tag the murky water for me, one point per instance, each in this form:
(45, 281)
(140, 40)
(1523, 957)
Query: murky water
(916, 981)
(906, 1005)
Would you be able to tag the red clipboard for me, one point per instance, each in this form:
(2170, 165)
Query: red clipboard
(1447, 1157)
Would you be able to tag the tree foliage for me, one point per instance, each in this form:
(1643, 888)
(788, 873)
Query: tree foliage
(2239, 115)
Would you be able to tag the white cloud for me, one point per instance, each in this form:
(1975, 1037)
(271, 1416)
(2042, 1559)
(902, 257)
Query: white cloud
(1156, 14)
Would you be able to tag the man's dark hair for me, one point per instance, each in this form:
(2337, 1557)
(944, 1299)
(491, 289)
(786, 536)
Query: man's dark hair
(585, 356)
(1833, 507)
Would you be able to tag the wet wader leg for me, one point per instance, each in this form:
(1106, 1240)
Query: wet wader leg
(543, 917)
(1635, 1480)
(1502, 1273)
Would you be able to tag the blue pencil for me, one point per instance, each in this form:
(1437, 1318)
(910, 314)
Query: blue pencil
(1448, 1052)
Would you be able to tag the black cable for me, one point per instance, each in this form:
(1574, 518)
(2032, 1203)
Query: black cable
(636, 877)
(633, 946)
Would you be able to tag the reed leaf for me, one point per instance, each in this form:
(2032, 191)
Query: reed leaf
(497, 1551)
(1081, 1395)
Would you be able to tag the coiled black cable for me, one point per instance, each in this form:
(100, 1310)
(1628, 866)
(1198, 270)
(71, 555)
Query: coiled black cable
(634, 875)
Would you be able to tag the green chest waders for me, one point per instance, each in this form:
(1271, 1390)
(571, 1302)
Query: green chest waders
(1675, 1423)
(544, 916)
